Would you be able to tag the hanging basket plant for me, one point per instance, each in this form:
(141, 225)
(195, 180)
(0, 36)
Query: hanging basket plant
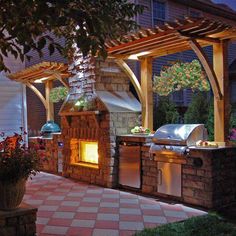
(179, 75)
(58, 94)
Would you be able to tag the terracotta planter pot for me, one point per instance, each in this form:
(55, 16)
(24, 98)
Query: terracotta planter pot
(11, 194)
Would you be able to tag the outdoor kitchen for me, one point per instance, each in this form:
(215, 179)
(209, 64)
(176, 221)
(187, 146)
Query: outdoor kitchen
(100, 142)
(98, 147)
(172, 166)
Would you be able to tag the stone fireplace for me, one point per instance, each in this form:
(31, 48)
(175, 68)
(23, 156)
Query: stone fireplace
(99, 107)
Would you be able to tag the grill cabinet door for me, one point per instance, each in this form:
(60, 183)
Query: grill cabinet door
(129, 166)
(169, 178)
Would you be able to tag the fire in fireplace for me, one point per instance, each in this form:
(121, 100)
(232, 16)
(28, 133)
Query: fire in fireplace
(84, 151)
(88, 151)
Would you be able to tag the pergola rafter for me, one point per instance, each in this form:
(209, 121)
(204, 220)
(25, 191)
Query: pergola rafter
(44, 72)
(178, 36)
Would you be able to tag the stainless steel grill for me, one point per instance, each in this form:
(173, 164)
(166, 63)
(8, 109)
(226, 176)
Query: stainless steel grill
(172, 140)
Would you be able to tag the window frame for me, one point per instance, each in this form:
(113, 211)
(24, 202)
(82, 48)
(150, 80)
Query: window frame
(158, 18)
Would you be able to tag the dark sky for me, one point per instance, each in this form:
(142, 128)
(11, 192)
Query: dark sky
(230, 3)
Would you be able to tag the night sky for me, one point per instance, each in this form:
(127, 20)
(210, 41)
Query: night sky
(230, 3)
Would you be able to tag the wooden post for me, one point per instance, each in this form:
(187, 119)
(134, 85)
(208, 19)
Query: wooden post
(50, 107)
(221, 106)
(146, 86)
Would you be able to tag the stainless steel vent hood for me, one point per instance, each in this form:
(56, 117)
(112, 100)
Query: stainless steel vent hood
(119, 101)
(114, 101)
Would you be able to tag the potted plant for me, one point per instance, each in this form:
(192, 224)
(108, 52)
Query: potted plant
(17, 163)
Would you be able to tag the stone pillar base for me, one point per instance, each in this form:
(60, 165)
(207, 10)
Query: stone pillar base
(19, 222)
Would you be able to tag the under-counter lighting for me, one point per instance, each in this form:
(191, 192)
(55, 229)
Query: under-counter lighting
(135, 56)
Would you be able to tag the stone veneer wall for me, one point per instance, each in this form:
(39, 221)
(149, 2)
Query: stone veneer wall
(149, 171)
(213, 185)
(91, 75)
(49, 151)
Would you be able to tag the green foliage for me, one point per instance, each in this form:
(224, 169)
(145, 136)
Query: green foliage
(166, 112)
(210, 121)
(58, 94)
(16, 160)
(208, 225)
(202, 111)
(24, 25)
(232, 119)
(197, 112)
(180, 75)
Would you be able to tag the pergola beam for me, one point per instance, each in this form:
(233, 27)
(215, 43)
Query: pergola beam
(58, 76)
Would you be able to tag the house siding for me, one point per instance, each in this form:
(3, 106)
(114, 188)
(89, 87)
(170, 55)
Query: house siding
(12, 100)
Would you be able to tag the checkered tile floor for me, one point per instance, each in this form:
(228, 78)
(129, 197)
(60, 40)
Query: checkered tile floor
(67, 207)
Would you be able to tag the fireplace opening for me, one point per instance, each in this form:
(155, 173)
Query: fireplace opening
(88, 151)
(84, 152)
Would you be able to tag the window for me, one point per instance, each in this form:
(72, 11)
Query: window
(159, 12)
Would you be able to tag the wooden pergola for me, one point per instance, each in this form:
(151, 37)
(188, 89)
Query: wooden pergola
(44, 72)
(178, 36)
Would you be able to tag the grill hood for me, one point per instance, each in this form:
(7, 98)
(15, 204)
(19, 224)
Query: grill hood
(180, 134)
(172, 140)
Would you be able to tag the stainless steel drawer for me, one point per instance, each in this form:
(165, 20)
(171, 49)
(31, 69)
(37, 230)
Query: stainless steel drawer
(130, 166)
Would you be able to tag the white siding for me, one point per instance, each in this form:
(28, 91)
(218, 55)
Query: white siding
(12, 100)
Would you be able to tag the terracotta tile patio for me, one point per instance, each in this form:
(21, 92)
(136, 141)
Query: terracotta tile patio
(68, 207)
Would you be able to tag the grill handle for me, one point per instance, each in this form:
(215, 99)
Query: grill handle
(159, 176)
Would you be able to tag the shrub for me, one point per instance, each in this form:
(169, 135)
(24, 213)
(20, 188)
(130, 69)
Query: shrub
(166, 112)
(198, 109)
